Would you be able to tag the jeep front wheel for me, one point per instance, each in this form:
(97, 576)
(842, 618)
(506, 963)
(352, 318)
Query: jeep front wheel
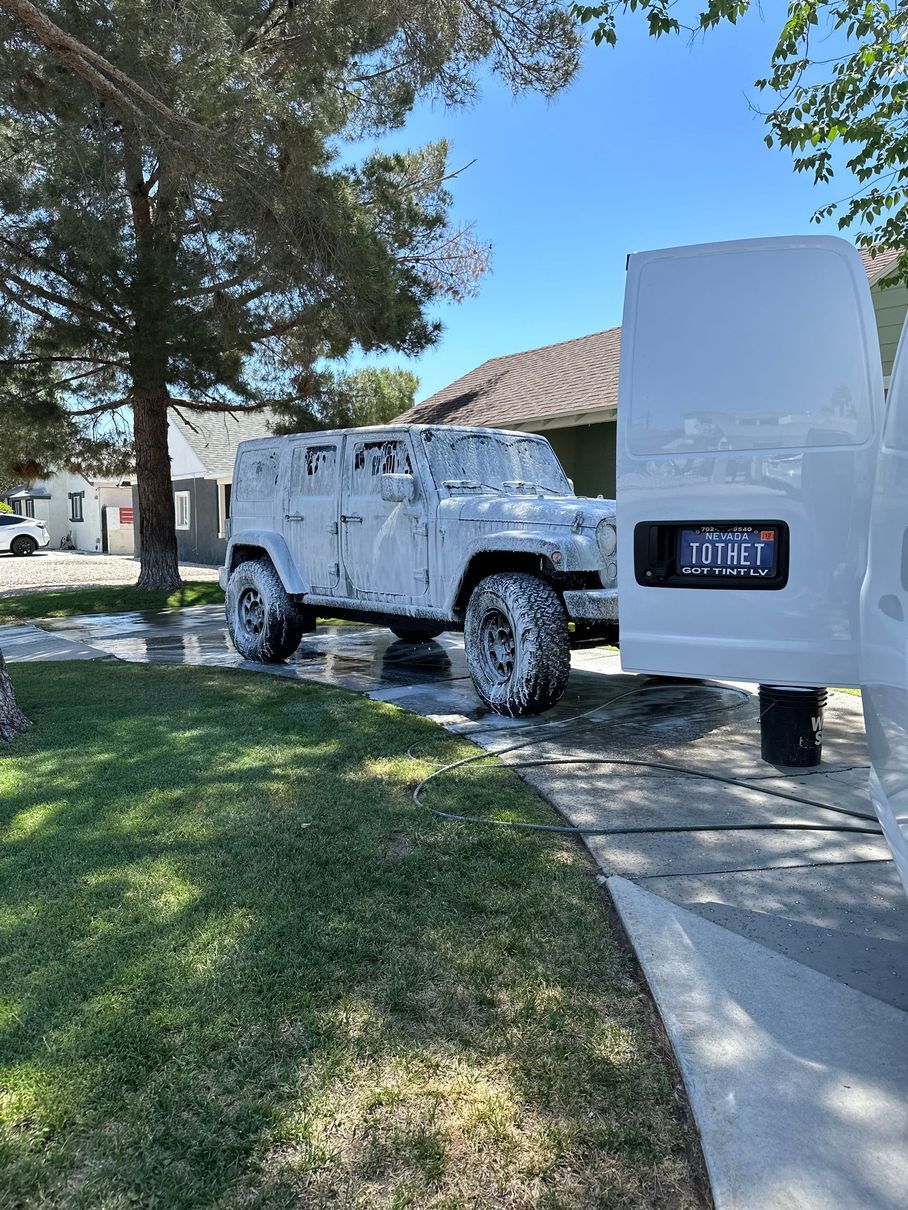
(265, 625)
(517, 644)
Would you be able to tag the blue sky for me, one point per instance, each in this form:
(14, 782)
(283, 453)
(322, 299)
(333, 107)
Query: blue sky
(655, 144)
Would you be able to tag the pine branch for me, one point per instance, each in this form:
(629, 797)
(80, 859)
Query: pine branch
(69, 304)
(94, 68)
(48, 267)
(9, 363)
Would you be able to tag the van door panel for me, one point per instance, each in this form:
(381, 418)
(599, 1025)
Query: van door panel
(884, 622)
(750, 391)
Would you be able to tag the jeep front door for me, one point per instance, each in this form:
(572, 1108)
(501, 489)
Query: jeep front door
(311, 519)
(384, 544)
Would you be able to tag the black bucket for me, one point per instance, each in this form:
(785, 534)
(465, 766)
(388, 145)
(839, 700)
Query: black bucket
(791, 726)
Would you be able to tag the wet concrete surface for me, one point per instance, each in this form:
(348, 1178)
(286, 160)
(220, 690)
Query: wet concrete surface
(823, 900)
(31, 643)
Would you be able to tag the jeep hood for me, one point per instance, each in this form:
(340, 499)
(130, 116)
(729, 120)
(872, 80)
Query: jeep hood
(518, 511)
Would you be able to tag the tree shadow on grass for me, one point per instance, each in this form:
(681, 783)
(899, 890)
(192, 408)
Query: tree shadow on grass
(243, 968)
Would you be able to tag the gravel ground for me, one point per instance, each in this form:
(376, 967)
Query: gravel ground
(49, 570)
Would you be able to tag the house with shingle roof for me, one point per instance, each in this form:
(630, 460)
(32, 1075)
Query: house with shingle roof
(569, 391)
(202, 447)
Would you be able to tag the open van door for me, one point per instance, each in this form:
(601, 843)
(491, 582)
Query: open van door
(748, 423)
(884, 622)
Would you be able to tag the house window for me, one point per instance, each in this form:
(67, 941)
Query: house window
(75, 506)
(28, 508)
(181, 507)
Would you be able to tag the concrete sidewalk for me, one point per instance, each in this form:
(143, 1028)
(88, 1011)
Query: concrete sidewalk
(778, 958)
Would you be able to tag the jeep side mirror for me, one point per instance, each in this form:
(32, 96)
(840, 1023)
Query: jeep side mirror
(398, 489)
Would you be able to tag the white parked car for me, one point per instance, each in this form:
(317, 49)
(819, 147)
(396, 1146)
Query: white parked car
(22, 535)
(422, 529)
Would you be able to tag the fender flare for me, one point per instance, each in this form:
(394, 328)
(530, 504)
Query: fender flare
(276, 548)
(503, 542)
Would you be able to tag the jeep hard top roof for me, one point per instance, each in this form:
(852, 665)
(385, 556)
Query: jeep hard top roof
(382, 429)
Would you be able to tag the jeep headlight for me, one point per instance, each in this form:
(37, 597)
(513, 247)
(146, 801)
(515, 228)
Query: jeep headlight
(607, 539)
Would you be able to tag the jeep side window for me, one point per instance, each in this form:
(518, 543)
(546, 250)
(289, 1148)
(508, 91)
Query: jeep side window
(257, 474)
(372, 459)
(314, 470)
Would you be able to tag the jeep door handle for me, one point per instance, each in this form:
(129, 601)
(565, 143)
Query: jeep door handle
(351, 520)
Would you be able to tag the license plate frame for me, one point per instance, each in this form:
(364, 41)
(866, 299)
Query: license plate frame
(663, 557)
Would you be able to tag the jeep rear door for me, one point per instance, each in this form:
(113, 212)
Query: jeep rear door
(311, 518)
(385, 545)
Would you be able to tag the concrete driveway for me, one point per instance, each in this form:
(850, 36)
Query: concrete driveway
(778, 955)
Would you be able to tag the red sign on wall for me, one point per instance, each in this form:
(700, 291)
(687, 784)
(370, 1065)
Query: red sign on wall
(126, 516)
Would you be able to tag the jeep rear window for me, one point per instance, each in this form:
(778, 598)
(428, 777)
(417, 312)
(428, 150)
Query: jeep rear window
(313, 471)
(257, 474)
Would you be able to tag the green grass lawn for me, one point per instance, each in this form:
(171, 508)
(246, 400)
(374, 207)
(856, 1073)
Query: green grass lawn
(240, 968)
(72, 602)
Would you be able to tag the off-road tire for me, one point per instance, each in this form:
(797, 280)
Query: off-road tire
(23, 545)
(520, 613)
(264, 624)
(416, 633)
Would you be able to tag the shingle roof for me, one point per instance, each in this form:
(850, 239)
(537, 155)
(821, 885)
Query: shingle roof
(214, 436)
(563, 379)
(878, 262)
(26, 491)
(572, 376)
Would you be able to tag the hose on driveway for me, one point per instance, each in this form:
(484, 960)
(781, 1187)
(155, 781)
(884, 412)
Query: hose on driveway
(650, 765)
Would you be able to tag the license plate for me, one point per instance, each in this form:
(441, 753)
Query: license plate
(741, 552)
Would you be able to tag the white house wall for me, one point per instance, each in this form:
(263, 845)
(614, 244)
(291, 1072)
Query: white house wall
(184, 461)
(86, 534)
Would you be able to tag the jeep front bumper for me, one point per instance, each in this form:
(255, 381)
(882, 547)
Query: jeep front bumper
(592, 604)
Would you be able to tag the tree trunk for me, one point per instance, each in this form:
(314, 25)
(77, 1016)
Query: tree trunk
(12, 721)
(157, 535)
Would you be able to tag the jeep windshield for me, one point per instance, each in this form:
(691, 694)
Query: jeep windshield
(495, 462)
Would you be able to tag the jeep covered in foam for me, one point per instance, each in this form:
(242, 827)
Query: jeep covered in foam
(423, 529)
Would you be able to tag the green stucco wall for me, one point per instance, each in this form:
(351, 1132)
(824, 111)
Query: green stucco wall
(891, 306)
(587, 453)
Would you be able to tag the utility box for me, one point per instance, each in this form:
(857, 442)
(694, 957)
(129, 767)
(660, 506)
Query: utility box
(748, 425)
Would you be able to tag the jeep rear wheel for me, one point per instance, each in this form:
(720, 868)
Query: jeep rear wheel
(416, 633)
(517, 644)
(265, 625)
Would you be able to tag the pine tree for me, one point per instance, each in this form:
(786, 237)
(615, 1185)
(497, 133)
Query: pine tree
(183, 220)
